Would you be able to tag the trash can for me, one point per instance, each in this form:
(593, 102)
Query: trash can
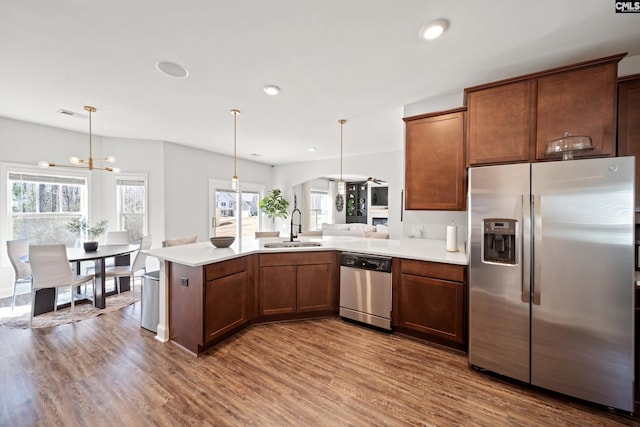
(149, 301)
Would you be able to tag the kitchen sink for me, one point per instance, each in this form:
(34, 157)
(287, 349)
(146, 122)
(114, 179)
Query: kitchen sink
(292, 244)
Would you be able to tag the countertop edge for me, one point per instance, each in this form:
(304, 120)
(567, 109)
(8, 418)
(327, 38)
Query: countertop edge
(203, 253)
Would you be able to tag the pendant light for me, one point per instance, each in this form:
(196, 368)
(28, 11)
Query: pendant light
(235, 184)
(341, 185)
(89, 163)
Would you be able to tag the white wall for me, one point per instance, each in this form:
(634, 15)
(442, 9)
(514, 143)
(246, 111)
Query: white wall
(387, 166)
(186, 186)
(24, 143)
(177, 177)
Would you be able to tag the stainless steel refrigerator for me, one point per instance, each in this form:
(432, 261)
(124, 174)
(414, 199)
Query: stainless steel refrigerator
(551, 276)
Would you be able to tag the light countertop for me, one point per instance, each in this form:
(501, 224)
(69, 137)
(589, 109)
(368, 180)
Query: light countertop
(203, 253)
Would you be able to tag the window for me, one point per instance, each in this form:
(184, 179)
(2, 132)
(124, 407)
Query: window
(40, 205)
(132, 205)
(320, 203)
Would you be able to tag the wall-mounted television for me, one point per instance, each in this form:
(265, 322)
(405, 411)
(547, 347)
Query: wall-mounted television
(380, 196)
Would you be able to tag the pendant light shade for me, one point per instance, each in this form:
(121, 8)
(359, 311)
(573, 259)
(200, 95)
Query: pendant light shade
(235, 183)
(341, 184)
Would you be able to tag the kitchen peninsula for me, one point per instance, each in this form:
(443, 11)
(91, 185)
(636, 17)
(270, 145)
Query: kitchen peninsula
(208, 293)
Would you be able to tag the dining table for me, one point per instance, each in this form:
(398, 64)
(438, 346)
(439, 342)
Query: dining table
(45, 298)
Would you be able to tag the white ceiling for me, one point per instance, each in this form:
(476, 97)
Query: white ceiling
(360, 60)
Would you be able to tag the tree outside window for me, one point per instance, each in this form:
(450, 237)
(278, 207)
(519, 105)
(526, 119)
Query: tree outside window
(132, 205)
(42, 205)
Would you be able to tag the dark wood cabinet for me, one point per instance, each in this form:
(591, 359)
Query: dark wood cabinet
(277, 289)
(580, 102)
(208, 303)
(513, 120)
(298, 282)
(430, 301)
(499, 124)
(434, 161)
(226, 298)
(629, 124)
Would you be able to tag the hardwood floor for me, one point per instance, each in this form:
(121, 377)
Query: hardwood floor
(322, 372)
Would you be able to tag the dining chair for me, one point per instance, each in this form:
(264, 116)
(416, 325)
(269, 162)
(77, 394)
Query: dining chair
(113, 238)
(179, 241)
(50, 269)
(139, 263)
(117, 238)
(267, 234)
(18, 250)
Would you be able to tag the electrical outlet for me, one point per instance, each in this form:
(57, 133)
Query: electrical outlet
(416, 231)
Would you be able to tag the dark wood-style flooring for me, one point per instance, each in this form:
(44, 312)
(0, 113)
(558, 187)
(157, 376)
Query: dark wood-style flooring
(323, 372)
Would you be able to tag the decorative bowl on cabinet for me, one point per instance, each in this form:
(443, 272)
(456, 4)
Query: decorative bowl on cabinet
(222, 242)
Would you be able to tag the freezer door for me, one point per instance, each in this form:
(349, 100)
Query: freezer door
(498, 295)
(582, 310)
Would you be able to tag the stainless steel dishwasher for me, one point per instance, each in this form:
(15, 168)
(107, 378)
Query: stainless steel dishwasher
(365, 289)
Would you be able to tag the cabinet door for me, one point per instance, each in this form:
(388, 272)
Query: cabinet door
(277, 290)
(581, 102)
(434, 162)
(432, 306)
(629, 125)
(499, 127)
(315, 290)
(225, 305)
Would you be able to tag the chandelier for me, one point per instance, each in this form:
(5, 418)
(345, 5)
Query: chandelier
(89, 163)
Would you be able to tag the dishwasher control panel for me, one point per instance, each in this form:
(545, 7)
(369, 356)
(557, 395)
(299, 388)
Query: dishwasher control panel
(365, 262)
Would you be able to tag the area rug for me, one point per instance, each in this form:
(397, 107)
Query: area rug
(20, 319)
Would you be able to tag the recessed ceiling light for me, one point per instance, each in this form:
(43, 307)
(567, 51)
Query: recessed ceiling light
(312, 149)
(434, 29)
(271, 89)
(172, 69)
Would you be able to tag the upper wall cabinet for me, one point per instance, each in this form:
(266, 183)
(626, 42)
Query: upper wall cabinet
(513, 120)
(629, 123)
(434, 161)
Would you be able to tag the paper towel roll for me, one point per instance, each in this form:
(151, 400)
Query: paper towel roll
(452, 238)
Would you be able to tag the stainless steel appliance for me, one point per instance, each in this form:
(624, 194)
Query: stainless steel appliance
(551, 276)
(365, 289)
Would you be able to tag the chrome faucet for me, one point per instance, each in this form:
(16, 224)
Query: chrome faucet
(293, 235)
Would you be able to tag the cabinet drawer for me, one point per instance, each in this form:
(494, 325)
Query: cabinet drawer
(299, 258)
(454, 273)
(225, 268)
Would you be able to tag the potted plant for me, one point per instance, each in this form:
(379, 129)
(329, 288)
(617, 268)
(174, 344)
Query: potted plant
(274, 205)
(91, 233)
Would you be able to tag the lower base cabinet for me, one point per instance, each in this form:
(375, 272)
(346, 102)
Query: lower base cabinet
(430, 302)
(294, 283)
(208, 303)
(212, 302)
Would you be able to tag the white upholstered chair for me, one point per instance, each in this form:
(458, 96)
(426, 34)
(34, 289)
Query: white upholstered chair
(113, 238)
(267, 234)
(16, 250)
(117, 238)
(179, 241)
(50, 269)
(139, 263)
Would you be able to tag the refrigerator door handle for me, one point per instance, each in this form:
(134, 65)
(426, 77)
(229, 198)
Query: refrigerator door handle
(537, 247)
(524, 248)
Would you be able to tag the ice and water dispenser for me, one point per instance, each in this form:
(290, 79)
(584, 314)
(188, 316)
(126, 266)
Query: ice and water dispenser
(499, 245)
